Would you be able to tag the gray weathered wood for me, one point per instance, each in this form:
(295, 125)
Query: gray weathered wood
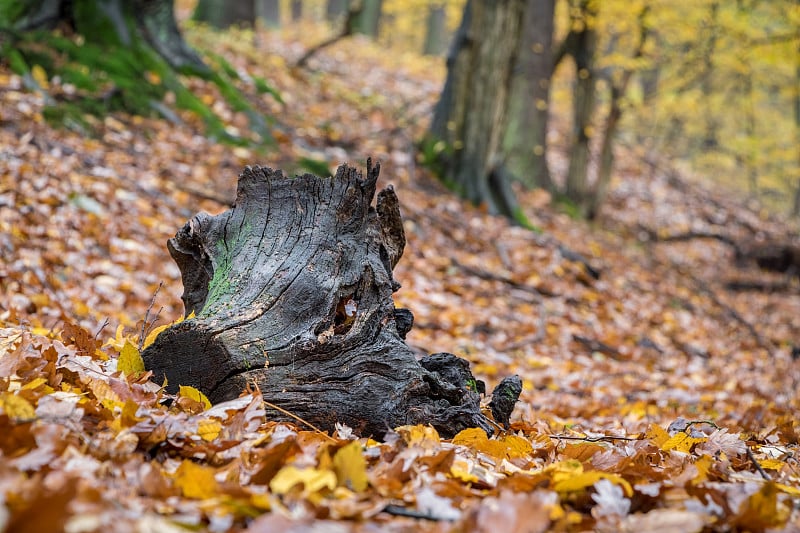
(292, 290)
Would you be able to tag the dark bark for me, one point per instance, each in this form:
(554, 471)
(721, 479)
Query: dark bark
(269, 11)
(471, 116)
(526, 137)
(369, 17)
(346, 31)
(292, 289)
(335, 9)
(581, 44)
(297, 10)
(222, 14)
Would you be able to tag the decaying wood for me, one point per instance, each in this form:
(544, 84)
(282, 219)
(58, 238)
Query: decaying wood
(292, 290)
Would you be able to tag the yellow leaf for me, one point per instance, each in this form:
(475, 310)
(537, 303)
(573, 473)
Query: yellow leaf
(516, 446)
(34, 384)
(151, 337)
(313, 480)
(38, 73)
(462, 470)
(771, 464)
(703, 465)
(130, 361)
(194, 394)
(351, 467)
(118, 340)
(508, 447)
(682, 442)
(209, 429)
(657, 435)
(788, 489)
(17, 407)
(418, 435)
(587, 479)
(196, 481)
(762, 510)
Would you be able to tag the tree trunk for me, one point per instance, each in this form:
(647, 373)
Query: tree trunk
(269, 11)
(297, 10)
(435, 30)
(112, 22)
(581, 45)
(471, 115)
(335, 9)
(526, 137)
(222, 14)
(368, 19)
(292, 289)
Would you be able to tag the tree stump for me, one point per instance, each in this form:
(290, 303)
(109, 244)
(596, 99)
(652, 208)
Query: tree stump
(292, 290)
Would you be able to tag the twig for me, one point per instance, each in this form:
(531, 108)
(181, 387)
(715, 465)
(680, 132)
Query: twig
(398, 510)
(596, 346)
(755, 464)
(491, 276)
(541, 331)
(147, 314)
(592, 439)
(102, 327)
(309, 424)
(346, 31)
(731, 312)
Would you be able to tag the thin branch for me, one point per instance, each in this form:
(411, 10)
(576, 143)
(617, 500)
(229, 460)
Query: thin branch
(756, 465)
(147, 315)
(346, 31)
(602, 438)
(309, 424)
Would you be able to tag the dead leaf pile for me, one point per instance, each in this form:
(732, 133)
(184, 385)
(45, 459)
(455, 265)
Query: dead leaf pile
(654, 398)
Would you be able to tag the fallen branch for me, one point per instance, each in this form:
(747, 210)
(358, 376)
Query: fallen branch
(491, 276)
(596, 346)
(347, 30)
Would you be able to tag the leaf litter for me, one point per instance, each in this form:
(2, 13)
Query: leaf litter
(648, 401)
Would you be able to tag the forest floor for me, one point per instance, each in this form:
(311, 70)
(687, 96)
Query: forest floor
(654, 396)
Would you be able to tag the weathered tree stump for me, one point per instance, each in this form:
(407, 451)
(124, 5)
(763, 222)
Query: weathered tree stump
(292, 289)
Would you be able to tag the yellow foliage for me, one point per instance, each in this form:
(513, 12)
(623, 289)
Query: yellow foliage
(186, 391)
(130, 361)
(16, 407)
(209, 429)
(351, 467)
(313, 480)
(196, 481)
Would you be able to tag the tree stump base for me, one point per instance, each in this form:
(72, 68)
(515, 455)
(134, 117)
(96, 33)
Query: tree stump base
(292, 290)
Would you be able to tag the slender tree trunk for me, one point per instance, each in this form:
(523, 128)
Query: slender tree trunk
(526, 137)
(435, 30)
(335, 9)
(796, 206)
(710, 140)
(269, 11)
(470, 118)
(582, 47)
(297, 10)
(369, 18)
(617, 92)
(224, 13)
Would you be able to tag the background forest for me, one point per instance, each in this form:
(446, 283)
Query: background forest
(598, 197)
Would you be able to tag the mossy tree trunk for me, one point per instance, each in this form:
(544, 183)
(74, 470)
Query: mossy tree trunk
(224, 13)
(526, 137)
(292, 290)
(470, 119)
(108, 22)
